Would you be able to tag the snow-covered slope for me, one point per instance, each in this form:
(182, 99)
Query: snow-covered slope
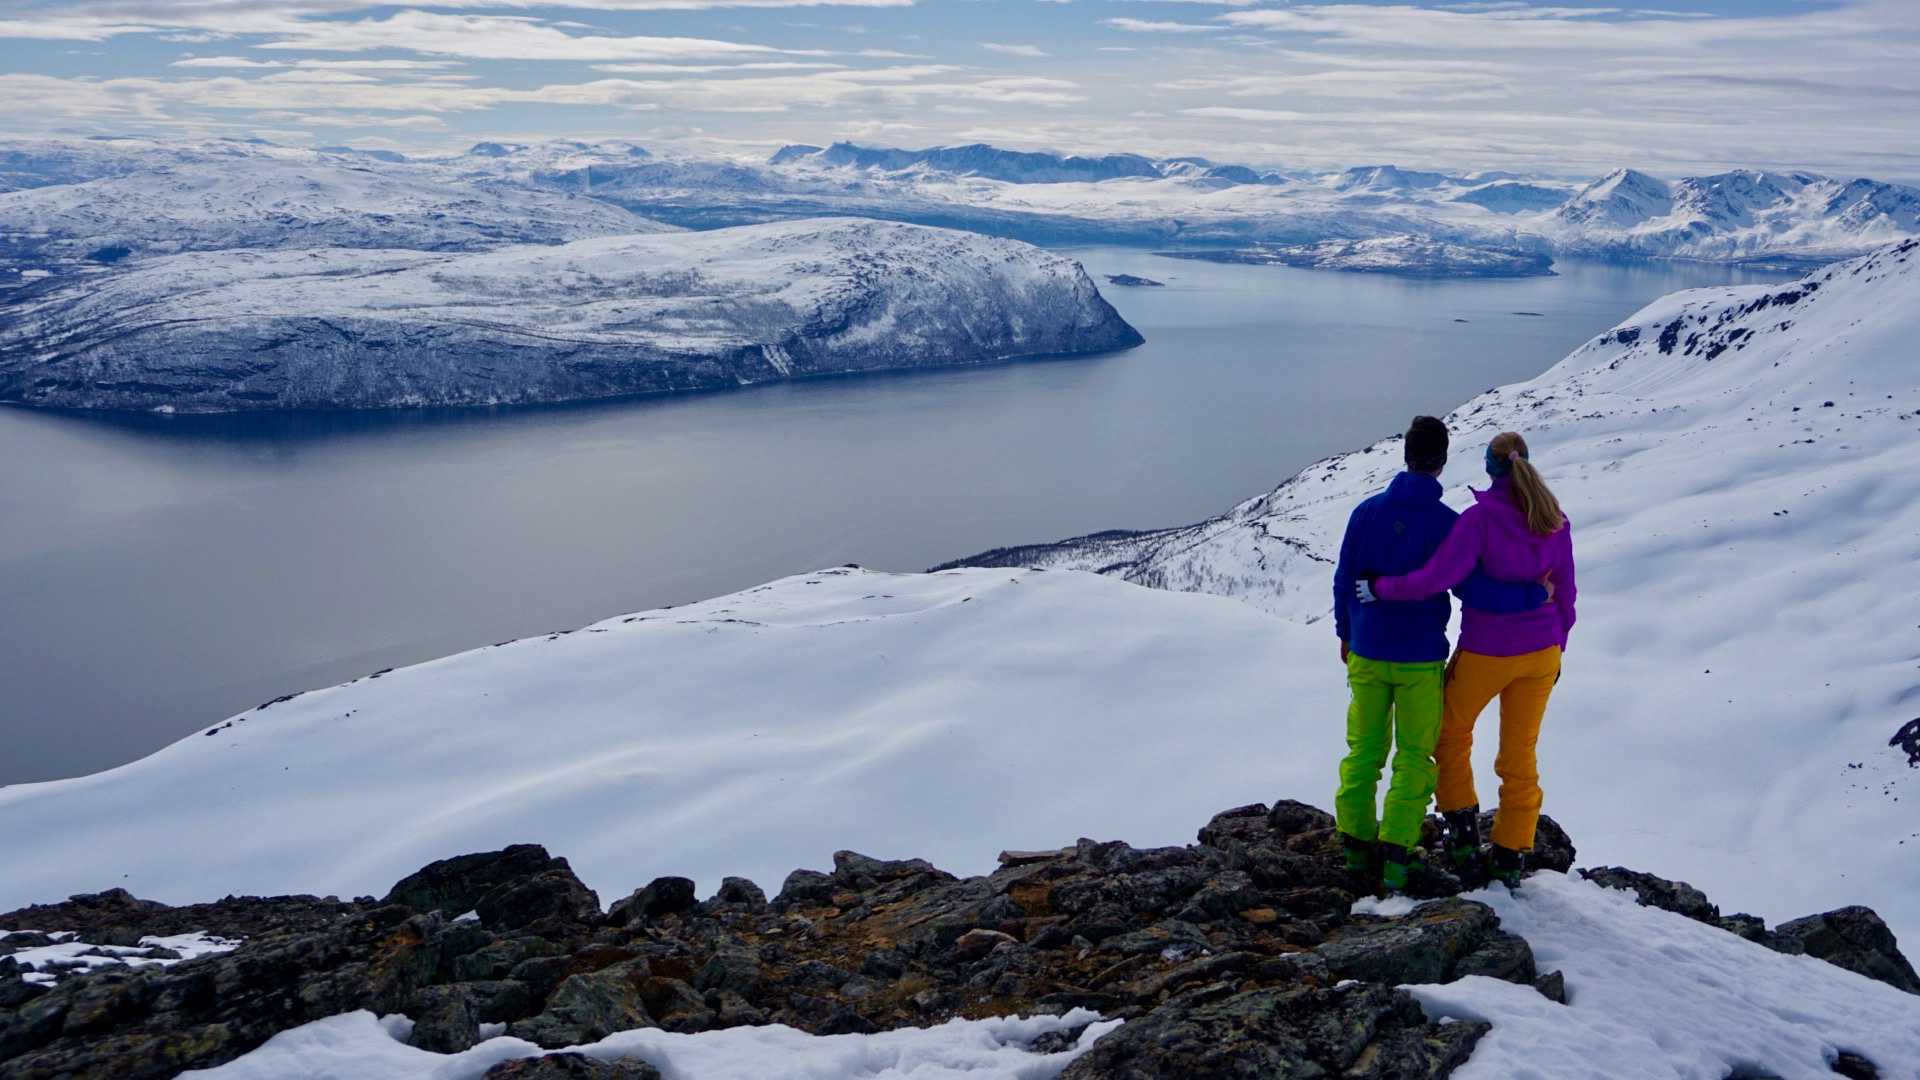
(225, 331)
(1656, 996)
(1510, 197)
(1739, 467)
(942, 716)
(283, 200)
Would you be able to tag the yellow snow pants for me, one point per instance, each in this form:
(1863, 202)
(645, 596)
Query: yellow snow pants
(1522, 683)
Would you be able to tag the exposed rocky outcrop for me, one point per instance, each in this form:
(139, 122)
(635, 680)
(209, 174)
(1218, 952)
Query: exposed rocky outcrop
(1854, 937)
(1235, 956)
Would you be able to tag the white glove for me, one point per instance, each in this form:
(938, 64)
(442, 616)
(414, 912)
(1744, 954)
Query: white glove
(1363, 591)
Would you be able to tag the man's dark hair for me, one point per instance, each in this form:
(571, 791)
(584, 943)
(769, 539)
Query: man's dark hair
(1426, 445)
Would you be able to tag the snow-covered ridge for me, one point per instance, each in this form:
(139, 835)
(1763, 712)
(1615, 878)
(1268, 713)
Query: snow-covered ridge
(225, 331)
(1736, 215)
(1738, 464)
(1409, 256)
(310, 200)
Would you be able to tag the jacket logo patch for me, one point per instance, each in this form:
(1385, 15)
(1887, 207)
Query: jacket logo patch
(1400, 527)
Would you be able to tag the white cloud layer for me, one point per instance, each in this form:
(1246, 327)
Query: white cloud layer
(1466, 83)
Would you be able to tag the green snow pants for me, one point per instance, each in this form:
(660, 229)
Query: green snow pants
(1394, 705)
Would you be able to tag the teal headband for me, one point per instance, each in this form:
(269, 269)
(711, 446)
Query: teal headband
(1499, 467)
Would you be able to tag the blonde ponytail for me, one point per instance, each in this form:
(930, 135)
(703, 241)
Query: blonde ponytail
(1530, 490)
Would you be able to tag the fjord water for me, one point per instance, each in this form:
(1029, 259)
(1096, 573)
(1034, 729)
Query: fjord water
(160, 573)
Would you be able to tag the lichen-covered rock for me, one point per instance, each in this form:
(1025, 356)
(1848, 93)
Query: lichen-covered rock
(571, 1066)
(1426, 946)
(589, 1007)
(1256, 914)
(1351, 1031)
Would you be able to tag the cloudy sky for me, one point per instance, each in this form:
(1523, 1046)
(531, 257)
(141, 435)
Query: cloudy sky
(1575, 87)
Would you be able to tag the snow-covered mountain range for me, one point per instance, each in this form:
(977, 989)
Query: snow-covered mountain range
(1735, 215)
(1737, 463)
(222, 193)
(1412, 256)
(1135, 199)
(636, 313)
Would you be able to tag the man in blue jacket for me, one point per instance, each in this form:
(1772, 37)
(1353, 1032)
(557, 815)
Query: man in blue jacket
(1396, 656)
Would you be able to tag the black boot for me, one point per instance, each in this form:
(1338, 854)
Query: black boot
(1463, 846)
(1393, 868)
(1363, 865)
(1506, 866)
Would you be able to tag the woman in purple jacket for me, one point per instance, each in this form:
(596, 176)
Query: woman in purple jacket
(1515, 531)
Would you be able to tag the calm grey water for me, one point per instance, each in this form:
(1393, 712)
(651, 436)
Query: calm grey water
(159, 574)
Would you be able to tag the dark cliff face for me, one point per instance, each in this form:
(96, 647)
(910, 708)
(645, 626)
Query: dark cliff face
(1235, 956)
(636, 315)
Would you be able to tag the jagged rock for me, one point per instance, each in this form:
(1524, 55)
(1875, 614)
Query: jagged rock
(862, 872)
(1223, 895)
(1424, 946)
(1675, 896)
(1854, 938)
(1552, 848)
(1258, 906)
(1290, 818)
(975, 944)
(736, 1011)
(1353, 1031)
(542, 974)
(456, 885)
(16, 991)
(734, 969)
(497, 959)
(552, 896)
(589, 1007)
(804, 887)
(738, 890)
(1754, 929)
(1855, 1066)
(444, 1020)
(1501, 956)
(570, 1066)
(97, 916)
(517, 885)
(663, 896)
(1552, 986)
(1240, 826)
(139, 1023)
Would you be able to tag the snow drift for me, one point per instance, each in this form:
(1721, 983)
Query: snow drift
(239, 330)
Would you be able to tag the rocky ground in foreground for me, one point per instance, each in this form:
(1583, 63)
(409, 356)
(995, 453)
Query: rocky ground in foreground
(1235, 956)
